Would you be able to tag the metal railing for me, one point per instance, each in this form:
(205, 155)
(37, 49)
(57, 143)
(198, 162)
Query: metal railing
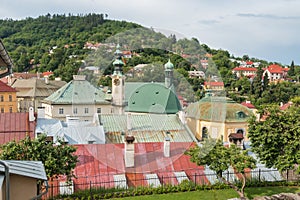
(94, 184)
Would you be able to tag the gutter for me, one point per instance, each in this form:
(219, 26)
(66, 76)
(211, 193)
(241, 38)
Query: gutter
(7, 188)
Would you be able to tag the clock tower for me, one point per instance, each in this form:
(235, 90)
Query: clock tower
(118, 81)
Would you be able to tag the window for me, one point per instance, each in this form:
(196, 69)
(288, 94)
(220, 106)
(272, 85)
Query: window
(1, 98)
(74, 110)
(9, 98)
(2, 110)
(60, 111)
(98, 110)
(10, 109)
(86, 110)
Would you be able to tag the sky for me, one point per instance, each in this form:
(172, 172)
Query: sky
(263, 29)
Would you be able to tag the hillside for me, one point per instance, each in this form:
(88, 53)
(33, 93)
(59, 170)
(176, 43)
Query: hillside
(58, 43)
(29, 40)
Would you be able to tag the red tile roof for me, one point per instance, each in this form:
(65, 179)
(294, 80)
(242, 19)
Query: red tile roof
(244, 69)
(249, 62)
(47, 73)
(248, 104)
(214, 83)
(286, 106)
(5, 88)
(277, 69)
(15, 126)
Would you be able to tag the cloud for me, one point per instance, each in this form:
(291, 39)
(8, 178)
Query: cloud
(208, 22)
(267, 16)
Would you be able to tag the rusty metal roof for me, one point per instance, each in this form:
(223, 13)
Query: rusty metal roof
(15, 126)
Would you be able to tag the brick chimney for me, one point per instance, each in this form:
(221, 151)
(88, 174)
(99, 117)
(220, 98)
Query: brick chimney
(129, 151)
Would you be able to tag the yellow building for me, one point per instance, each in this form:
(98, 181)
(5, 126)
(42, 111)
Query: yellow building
(218, 117)
(8, 98)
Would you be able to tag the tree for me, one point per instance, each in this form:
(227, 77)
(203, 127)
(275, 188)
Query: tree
(58, 159)
(219, 158)
(291, 72)
(257, 83)
(276, 140)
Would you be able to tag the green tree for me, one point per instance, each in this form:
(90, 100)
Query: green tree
(291, 71)
(58, 159)
(219, 158)
(276, 140)
(257, 83)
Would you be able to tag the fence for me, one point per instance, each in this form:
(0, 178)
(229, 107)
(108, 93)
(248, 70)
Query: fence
(131, 180)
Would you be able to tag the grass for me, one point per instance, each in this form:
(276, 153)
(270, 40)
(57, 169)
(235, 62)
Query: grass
(217, 194)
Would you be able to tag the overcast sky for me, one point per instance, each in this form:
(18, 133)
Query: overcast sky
(265, 29)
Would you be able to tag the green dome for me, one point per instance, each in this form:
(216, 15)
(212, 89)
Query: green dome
(218, 109)
(153, 98)
(169, 65)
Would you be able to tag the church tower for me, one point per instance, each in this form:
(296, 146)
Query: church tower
(169, 75)
(118, 81)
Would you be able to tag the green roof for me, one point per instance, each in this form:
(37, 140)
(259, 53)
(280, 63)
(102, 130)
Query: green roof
(218, 109)
(145, 127)
(78, 92)
(153, 98)
(130, 88)
(169, 65)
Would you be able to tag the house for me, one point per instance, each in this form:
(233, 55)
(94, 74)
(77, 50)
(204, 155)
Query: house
(249, 105)
(217, 117)
(16, 126)
(30, 92)
(275, 73)
(198, 74)
(244, 71)
(19, 179)
(214, 86)
(78, 98)
(8, 98)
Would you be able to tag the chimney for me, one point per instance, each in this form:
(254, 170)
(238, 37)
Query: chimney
(31, 114)
(129, 151)
(41, 112)
(47, 80)
(129, 122)
(167, 147)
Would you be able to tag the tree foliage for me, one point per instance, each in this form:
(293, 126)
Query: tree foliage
(276, 140)
(219, 158)
(58, 159)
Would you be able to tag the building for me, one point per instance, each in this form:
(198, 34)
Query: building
(244, 71)
(213, 86)
(198, 74)
(275, 73)
(78, 98)
(22, 179)
(30, 92)
(217, 117)
(8, 98)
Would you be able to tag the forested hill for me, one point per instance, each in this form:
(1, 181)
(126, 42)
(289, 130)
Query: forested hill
(31, 39)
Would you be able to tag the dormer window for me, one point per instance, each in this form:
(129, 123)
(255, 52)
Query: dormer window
(240, 115)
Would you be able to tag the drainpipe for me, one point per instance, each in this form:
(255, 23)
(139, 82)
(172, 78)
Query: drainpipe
(40, 195)
(7, 189)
